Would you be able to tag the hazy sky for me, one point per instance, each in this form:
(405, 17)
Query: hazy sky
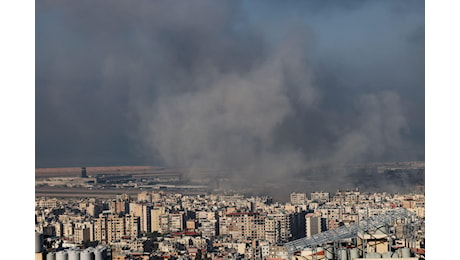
(260, 87)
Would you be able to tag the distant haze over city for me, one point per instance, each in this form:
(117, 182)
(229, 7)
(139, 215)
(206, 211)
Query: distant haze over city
(107, 181)
(261, 92)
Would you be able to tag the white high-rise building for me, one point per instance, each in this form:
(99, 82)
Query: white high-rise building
(176, 222)
(319, 196)
(155, 218)
(142, 211)
(82, 233)
(298, 198)
(283, 225)
(108, 228)
(313, 224)
(243, 225)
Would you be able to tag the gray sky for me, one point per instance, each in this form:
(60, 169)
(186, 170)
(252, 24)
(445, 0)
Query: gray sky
(264, 88)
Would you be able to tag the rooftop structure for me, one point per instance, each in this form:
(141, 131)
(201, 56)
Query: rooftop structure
(350, 231)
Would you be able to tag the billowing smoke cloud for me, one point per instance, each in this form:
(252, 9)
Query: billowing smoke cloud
(229, 120)
(261, 90)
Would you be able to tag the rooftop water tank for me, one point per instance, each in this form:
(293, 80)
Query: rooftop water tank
(405, 252)
(51, 256)
(342, 253)
(99, 254)
(87, 255)
(38, 242)
(373, 255)
(61, 255)
(354, 253)
(74, 254)
(387, 254)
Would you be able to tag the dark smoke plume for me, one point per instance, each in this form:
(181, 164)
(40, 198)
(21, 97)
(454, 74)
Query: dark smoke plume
(263, 91)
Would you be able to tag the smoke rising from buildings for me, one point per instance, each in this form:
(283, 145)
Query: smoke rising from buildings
(262, 90)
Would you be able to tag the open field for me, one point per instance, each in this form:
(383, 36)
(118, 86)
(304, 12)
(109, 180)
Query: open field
(110, 181)
(79, 192)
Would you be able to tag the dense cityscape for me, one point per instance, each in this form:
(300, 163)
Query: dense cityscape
(159, 223)
(265, 130)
